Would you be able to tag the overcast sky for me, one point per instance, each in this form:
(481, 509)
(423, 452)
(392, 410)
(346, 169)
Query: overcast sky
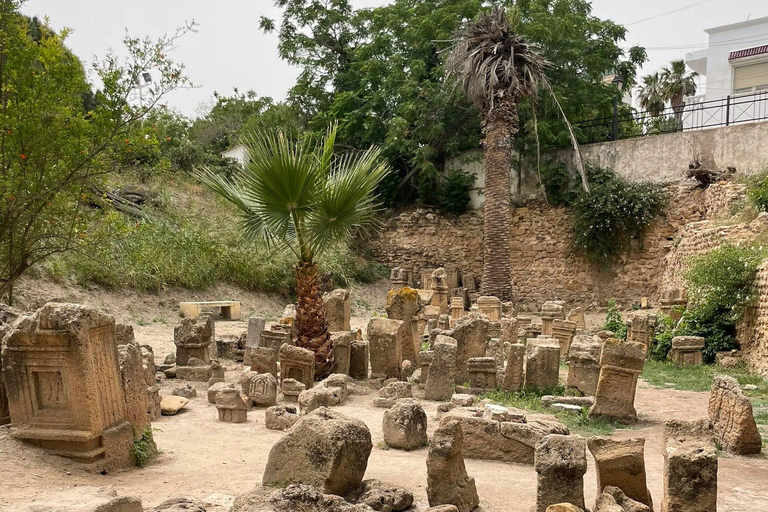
(230, 51)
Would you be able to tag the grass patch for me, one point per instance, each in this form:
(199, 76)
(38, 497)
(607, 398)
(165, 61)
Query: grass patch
(664, 374)
(530, 400)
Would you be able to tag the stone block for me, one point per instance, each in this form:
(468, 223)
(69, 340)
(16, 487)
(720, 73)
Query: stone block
(687, 350)
(215, 388)
(263, 360)
(641, 327)
(489, 306)
(405, 425)
(231, 407)
(621, 463)
(192, 338)
(358, 360)
(291, 389)
(391, 393)
(342, 350)
(482, 374)
(584, 364)
(297, 363)
(732, 418)
(690, 467)
(447, 480)
(471, 335)
(620, 365)
(260, 388)
(560, 462)
(542, 364)
(281, 417)
(514, 373)
(440, 385)
(336, 305)
(386, 338)
(403, 305)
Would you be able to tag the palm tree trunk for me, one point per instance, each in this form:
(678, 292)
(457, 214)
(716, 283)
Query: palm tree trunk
(311, 325)
(500, 125)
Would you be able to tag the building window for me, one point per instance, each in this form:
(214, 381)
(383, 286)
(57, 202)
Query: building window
(750, 78)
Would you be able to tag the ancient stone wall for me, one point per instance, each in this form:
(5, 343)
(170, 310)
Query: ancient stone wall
(543, 265)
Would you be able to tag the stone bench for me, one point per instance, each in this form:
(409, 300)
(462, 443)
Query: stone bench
(230, 309)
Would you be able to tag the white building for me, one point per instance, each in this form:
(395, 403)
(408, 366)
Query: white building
(736, 61)
(239, 153)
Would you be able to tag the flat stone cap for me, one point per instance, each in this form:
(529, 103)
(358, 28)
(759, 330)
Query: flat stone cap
(688, 342)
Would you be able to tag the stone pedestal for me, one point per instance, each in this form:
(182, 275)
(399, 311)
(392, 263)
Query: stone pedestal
(621, 463)
(253, 337)
(584, 364)
(687, 350)
(231, 407)
(264, 360)
(425, 359)
(457, 309)
(560, 462)
(482, 374)
(439, 287)
(563, 331)
(403, 305)
(514, 374)
(549, 311)
(542, 365)
(489, 306)
(672, 302)
(337, 307)
(275, 338)
(577, 315)
(620, 365)
(291, 389)
(440, 385)
(192, 338)
(60, 367)
(297, 363)
(386, 339)
(398, 278)
(471, 335)
(690, 467)
(641, 327)
(342, 350)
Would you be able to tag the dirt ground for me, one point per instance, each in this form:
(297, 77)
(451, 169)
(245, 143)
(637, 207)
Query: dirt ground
(204, 459)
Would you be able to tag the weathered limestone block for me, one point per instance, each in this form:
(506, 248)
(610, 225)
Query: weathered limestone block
(687, 350)
(620, 365)
(563, 331)
(542, 365)
(342, 350)
(324, 449)
(139, 401)
(253, 337)
(231, 407)
(444, 322)
(514, 374)
(549, 311)
(8, 316)
(496, 351)
(509, 329)
(690, 467)
(439, 287)
(170, 405)
(625, 503)
(471, 335)
(215, 388)
(281, 417)
(217, 372)
(297, 363)
(482, 374)
(440, 385)
(386, 339)
(489, 306)
(425, 359)
(577, 315)
(275, 338)
(641, 327)
(319, 396)
(584, 364)
(263, 360)
(447, 479)
(403, 305)
(732, 418)
(260, 388)
(398, 277)
(79, 499)
(60, 368)
(507, 441)
(358, 360)
(391, 393)
(291, 389)
(192, 338)
(621, 463)
(560, 462)
(187, 391)
(405, 425)
(196, 370)
(153, 389)
(457, 308)
(337, 307)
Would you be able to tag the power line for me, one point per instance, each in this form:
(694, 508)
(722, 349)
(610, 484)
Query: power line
(748, 39)
(666, 13)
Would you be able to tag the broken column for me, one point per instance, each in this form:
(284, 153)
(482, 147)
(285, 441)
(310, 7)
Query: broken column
(253, 337)
(549, 311)
(560, 462)
(439, 287)
(386, 338)
(542, 364)
(621, 463)
(489, 306)
(60, 367)
(447, 479)
(336, 305)
(641, 327)
(620, 365)
(342, 350)
(297, 363)
(687, 350)
(563, 331)
(732, 418)
(192, 338)
(482, 374)
(690, 467)
(584, 364)
(440, 384)
(514, 374)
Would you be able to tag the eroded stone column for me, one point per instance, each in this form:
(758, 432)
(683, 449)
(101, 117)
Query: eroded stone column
(560, 462)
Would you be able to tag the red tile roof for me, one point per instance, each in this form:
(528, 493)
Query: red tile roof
(749, 52)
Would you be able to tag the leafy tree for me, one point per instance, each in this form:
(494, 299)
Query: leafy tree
(297, 195)
(219, 129)
(53, 149)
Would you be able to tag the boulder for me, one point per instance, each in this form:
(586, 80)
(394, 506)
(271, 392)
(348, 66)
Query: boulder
(405, 425)
(170, 405)
(318, 396)
(381, 496)
(324, 449)
(732, 418)
(281, 417)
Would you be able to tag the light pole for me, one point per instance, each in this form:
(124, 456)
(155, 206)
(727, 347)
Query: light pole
(619, 84)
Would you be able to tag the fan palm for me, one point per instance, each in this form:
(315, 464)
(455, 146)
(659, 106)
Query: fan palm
(496, 69)
(651, 95)
(300, 196)
(677, 83)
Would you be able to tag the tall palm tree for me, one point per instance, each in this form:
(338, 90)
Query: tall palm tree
(651, 95)
(496, 68)
(677, 83)
(299, 196)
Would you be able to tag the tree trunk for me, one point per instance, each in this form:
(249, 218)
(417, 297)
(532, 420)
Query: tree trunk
(311, 325)
(500, 124)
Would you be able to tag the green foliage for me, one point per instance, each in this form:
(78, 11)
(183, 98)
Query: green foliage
(559, 184)
(453, 192)
(616, 211)
(614, 322)
(665, 374)
(757, 191)
(530, 400)
(144, 449)
(662, 339)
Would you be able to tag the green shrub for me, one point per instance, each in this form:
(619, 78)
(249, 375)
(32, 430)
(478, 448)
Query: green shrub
(757, 191)
(559, 184)
(453, 192)
(617, 210)
(614, 322)
(144, 449)
(662, 339)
